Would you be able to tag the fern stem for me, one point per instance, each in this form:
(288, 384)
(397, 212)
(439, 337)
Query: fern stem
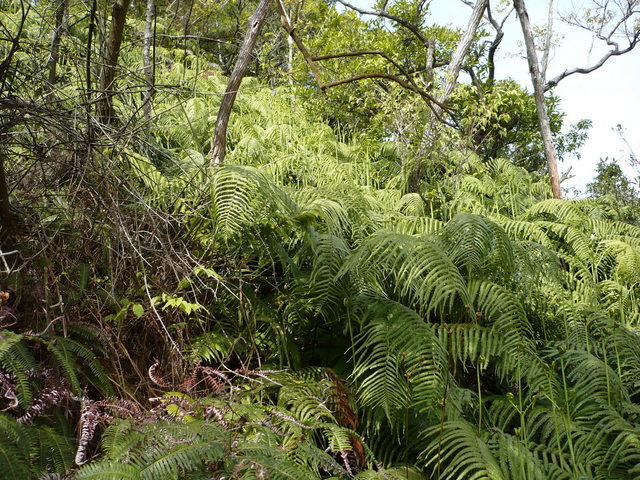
(523, 424)
(606, 371)
(479, 399)
(567, 425)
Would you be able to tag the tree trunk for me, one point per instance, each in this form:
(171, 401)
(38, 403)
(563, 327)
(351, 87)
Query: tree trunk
(147, 63)
(219, 141)
(112, 51)
(290, 47)
(538, 92)
(52, 62)
(6, 218)
(453, 71)
(462, 48)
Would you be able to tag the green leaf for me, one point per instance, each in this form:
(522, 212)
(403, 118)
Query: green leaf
(138, 310)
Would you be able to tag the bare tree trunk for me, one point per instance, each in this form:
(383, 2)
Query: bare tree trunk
(453, 71)
(462, 48)
(538, 92)
(148, 65)
(219, 141)
(112, 51)
(290, 59)
(52, 62)
(92, 27)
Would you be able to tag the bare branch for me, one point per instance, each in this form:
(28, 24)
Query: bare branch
(286, 24)
(409, 84)
(498, 26)
(399, 20)
(147, 62)
(429, 99)
(362, 53)
(15, 44)
(611, 53)
(607, 27)
(546, 49)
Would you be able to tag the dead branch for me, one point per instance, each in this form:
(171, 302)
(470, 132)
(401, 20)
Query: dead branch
(286, 24)
(399, 20)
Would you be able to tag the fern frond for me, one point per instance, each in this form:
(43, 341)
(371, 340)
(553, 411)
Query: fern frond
(399, 361)
(457, 451)
(473, 241)
(403, 266)
(16, 359)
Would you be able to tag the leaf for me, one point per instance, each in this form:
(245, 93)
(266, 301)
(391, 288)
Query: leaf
(84, 270)
(138, 310)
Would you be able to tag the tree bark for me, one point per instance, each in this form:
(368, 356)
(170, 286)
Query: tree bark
(290, 60)
(462, 48)
(6, 218)
(538, 92)
(453, 71)
(497, 40)
(548, 40)
(92, 27)
(147, 63)
(219, 141)
(286, 24)
(112, 51)
(52, 62)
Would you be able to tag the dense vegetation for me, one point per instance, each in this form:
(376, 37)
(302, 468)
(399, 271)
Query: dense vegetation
(330, 302)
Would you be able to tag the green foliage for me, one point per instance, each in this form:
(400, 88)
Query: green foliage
(611, 182)
(32, 451)
(501, 122)
(473, 329)
(319, 311)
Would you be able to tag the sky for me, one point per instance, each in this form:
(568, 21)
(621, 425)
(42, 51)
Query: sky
(608, 96)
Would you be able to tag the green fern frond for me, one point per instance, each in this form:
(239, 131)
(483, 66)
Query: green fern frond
(240, 195)
(108, 471)
(399, 361)
(473, 241)
(457, 451)
(403, 266)
(16, 448)
(16, 360)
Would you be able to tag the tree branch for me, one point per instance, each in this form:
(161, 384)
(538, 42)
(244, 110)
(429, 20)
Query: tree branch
(611, 53)
(429, 99)
(361, 53)
(409, 84)
(399, 20)
(498, 26)
(609, 26)
(286, 24)
(547, 42)
(15, 44)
